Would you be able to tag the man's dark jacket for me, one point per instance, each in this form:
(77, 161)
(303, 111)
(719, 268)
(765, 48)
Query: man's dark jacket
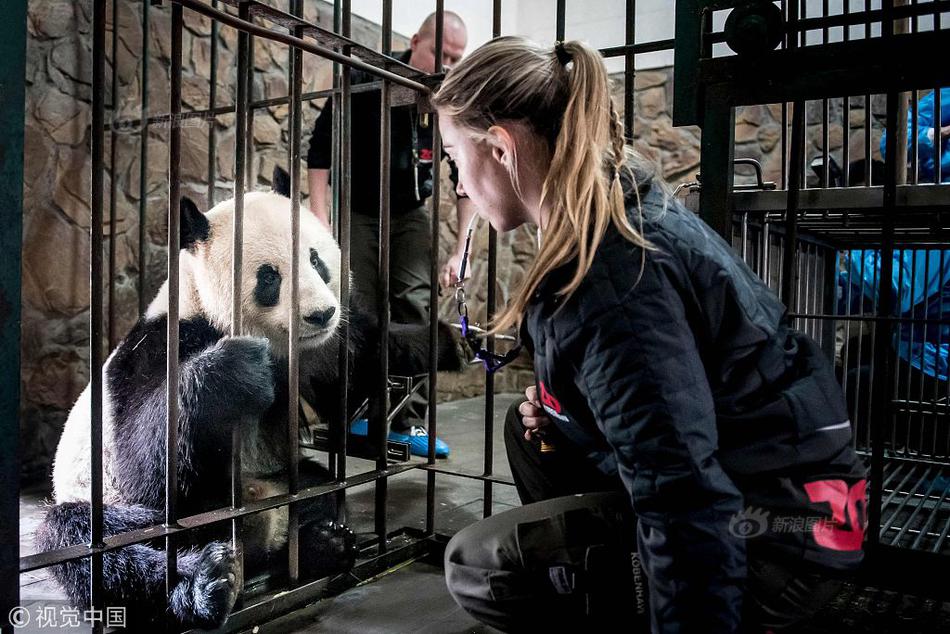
(411, 150)
(727, 427)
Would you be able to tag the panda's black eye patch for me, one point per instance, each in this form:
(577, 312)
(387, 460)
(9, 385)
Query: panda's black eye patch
(267, 291)
(319, 266)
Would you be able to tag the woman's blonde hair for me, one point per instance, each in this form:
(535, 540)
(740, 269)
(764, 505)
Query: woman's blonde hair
(563, 94)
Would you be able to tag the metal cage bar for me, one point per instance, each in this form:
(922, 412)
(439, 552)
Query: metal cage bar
(293, 359)
(435, 212)
(379, 417)
(95, 303)
(12, 112)
(171, 376)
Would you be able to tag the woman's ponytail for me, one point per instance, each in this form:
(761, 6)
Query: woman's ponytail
(564, 94)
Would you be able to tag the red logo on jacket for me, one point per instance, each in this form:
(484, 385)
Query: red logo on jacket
(425, 154)
(548, 399)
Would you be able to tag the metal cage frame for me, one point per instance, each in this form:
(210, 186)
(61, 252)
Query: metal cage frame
(802, 225)
(808, 229)
(399, 84)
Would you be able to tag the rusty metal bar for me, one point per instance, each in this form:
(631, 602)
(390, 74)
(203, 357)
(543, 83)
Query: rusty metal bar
(381, 425)
(171, 351)
(95, 303)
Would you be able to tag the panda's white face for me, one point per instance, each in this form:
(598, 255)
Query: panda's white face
(265, 272)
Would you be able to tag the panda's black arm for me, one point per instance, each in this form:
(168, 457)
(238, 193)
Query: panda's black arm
(220, 381)
(408, 355)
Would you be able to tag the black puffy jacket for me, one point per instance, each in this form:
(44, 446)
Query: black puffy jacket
(727, 427)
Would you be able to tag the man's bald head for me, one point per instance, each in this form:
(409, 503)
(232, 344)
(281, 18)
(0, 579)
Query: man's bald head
(454, 40)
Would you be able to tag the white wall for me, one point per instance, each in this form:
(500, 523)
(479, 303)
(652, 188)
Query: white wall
(599, 22)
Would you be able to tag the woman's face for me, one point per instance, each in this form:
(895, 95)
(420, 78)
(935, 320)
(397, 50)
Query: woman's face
(483, 175)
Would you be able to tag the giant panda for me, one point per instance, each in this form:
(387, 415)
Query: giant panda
(224, 381)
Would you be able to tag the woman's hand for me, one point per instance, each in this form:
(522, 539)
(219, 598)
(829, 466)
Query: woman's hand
(533, 416)
(449, 275)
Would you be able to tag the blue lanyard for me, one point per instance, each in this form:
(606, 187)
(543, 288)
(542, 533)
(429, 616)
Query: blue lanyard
(491, 361)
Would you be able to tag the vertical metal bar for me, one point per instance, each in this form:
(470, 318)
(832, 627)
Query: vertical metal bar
(143, 159)
(559, 21)
(886, 303)
(789, 264)
(488, 488)
(343, 174)
(212, 103)
(921, 360)
(784, 145)
(95, 302)
(382, 296)
(867, 110)
(248, 132)
(171, 364)
(941, 325)
(629, 71)
(830, 294)
(896, 383)
(433, 277)
(293, 369)
(825, 133)
(240, 175)
(914, 96)
(12, 71)
(846, 141)
(716, 154)
(491, 300)
(113, 177)
(938, 136)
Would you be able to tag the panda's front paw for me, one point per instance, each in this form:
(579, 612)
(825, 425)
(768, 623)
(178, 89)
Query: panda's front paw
(248, 360)
(326, 548)
(206, 600)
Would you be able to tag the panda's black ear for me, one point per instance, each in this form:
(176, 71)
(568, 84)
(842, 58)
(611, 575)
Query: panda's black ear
(280, 181)
(194, 224)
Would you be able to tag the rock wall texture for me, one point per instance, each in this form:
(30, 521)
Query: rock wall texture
(56, 219)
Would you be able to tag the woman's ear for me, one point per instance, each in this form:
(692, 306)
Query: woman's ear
(502, 144)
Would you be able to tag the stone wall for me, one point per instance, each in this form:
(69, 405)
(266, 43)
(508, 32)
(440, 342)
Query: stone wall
(58, 165)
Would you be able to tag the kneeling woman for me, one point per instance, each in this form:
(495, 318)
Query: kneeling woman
(708, 440)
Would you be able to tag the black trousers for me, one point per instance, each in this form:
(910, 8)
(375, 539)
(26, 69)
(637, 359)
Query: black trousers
(409, 262)
(568, 558)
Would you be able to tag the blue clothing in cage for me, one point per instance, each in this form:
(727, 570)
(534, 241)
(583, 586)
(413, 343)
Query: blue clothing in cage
(921, 279)
(928, 130)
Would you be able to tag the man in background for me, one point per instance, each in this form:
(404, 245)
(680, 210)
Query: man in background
(410, 186)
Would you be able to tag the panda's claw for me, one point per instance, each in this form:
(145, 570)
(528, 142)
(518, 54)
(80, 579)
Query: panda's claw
(215, 585)
(330, 548)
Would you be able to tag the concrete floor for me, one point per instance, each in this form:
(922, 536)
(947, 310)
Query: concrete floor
(413, 598)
